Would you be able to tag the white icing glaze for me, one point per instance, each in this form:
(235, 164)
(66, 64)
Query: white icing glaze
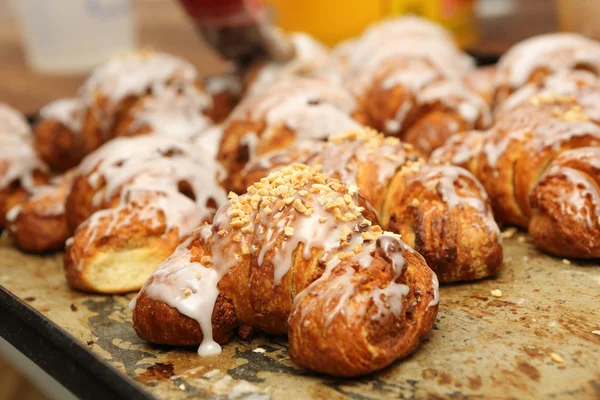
(133, 74)
(210, 140)
(192, 288)
(137, 168)
(463, 147)
(403, 55)
(445, 179)
(387, 33)
(455, 96)
(18, 161)
(66, 111)
(436, 290)
(342, 297)
(342, 155)
(175, 111)
(555, 52)
(299, 91)
(12, 122)
(223, 83)
(578, 202)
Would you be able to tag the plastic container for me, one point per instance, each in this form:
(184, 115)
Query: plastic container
(73, 36)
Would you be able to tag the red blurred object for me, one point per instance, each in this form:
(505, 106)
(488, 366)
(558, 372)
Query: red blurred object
(238, 29)
(225, 12)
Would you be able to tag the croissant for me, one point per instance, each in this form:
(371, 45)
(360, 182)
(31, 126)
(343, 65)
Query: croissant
(534, 59)
(413, 89)
(297, 254)
(131, 203)
(288, 112)
(353, 53)
(521, 163)
(57, 134)
(565, 205)
(39, 224)
(520, 146)
(21, 170)
(442, 212)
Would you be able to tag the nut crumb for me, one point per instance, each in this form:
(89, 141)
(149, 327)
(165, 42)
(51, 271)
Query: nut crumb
(556, 358)
(508, 233)
(182, 387)
(596, 332)
(496, 293)
(566, 262)
(259, 350)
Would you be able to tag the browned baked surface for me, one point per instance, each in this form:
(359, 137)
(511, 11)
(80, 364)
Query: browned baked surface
(442, 211)
(566, 205)
(57, 145)
(39, 224)
(461, 150)
(362, 344)
(384, 291)
(534, 59)
(117, 249)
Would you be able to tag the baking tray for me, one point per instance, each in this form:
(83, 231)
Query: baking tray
(534, 341)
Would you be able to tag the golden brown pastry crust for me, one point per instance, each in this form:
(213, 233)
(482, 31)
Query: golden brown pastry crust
(519, 147)
(361, 345)
(15, 193)
(534, 59)
(39, 224)
(286, 113)
(115, 251)
(442, 211)
(57, 134)
(462, 150)
(566, 205)
(426, 116)
(390, 306)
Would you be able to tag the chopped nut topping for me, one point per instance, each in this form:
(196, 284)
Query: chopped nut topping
(288, 231)
(367, 236)
(556, 358)
(496, 293)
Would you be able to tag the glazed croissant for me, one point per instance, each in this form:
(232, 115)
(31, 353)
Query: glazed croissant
(521, 164)
(139, 93)
(297, 254)
(441, 211)
(534, 59)
(39, 223)
(413, 89)
(131, 203)
(21, 170)
(286, 113)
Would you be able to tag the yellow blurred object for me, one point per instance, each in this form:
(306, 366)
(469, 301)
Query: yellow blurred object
(332, 21)
(581, 16)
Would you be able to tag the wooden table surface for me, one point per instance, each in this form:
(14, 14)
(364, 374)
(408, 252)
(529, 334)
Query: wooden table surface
(161, 25)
